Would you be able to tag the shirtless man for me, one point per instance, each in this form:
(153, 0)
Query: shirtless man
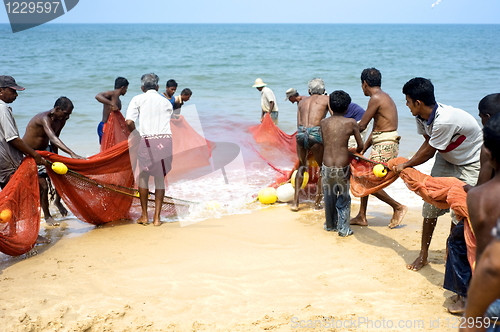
(482, 201)
(293, 96)
(384, 138)
(111, 102)
(310, 112)
(45, 128)
(335, 170)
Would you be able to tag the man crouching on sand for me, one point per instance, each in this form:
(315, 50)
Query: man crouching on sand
(335, 171)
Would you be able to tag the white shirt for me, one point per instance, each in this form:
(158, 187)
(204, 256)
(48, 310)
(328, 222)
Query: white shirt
(267, 96)
(454, 133)
(10, 157)
(151, 113)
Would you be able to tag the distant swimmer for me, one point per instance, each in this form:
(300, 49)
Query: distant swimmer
(171, 87)
(336, 169)
(180, 100)
(311, 111)
(267, 101)
(111, 102)
(45, 128)
(293, 96)
(150, 114)
(383, 139)
(456, 137)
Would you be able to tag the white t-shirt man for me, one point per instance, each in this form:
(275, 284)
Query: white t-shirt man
(454, 133)
(267, 96)
(151, 113)
(10, 157)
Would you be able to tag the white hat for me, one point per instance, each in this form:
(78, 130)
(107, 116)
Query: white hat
(259, 83)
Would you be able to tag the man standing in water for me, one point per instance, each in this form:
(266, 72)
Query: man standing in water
(293, 96)
(43, 129)
(383, 139)
(455, 135)
(171, 87)
(152, 112)
(111, 102)
(267, 101)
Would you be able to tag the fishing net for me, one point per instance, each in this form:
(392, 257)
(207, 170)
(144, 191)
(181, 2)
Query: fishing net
(267, 132)
(21, 200)
(443, 192)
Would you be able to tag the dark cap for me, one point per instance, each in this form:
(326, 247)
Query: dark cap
(9, 82)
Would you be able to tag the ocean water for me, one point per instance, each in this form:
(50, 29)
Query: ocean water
(219, 63)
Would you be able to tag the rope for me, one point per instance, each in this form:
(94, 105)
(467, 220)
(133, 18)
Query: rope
(107, 187)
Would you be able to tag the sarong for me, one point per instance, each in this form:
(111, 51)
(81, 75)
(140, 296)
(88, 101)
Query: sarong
(385, 146)
(155, 155)
(307, 137)
(458, 273)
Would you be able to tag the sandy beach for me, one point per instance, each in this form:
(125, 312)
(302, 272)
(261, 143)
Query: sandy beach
(271, 270)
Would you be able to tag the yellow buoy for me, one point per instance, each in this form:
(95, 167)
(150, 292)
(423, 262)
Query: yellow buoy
(304, 181)
(5, 216)
(59, 168)
(268, 195)
(379, 170)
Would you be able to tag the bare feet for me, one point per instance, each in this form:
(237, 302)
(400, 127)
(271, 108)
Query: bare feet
(143, 220)
(157, 223)
(42, 240)
(51, 221)
(359, 220)
(419, 263)
(398, 216)
(295, 208)
(458, 307)
(61, 208)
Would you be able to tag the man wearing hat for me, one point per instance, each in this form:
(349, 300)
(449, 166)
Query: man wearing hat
(268, 101)
(12, 147)
(293, 96)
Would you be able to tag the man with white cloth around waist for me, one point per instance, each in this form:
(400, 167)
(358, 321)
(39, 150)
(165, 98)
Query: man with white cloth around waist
(150, 114)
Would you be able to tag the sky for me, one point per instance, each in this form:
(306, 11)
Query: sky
(280, 11)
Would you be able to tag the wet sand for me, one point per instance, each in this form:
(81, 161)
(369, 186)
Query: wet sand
(271, 270)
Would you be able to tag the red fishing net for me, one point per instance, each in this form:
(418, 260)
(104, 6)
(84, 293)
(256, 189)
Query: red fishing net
(21, 200)
(101, 189)
(440, 192)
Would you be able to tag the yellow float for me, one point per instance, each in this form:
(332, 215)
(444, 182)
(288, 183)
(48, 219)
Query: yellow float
(5, 216)
(59, 168)
(379, 170)
(268, 195)
(304, 181)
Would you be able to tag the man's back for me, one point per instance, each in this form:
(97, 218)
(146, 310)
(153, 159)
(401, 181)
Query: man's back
(384, 110)
(336, 131)
(312, 110)
(36, 136)
(112, 96)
